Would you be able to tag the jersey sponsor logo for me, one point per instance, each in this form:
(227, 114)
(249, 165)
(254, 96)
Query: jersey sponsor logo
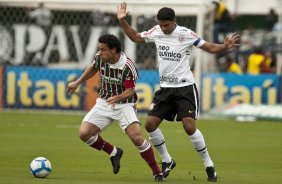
(163, 48)
(110, 80)
(171, 56)
(169, 78)
(166, 54)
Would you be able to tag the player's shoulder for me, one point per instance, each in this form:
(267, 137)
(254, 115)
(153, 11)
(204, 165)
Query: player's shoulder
(129, 63)
(126, 60)
(131, 67)
(156, 28)
(186, 31)
(153, 31)
(182, 29)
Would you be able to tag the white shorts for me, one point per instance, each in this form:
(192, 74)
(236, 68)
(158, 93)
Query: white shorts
(103, 114)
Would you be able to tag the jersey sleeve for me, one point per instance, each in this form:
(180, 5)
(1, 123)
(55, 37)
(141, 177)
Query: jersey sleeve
(149, 35)
(197, 41)
(130, 76)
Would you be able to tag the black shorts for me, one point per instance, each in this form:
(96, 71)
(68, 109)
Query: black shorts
(180, 102)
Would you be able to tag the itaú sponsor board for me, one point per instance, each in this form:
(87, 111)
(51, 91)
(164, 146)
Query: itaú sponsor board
(147, 84)
(43, 88)
(221, 89)
(40, 88)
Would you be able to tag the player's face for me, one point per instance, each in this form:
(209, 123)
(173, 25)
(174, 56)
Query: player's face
(106, 54)
(167, 26)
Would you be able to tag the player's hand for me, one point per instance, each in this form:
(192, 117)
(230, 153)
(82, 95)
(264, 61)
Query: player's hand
(121, 11)
(231, 40)
(72, 87)
(113, 100)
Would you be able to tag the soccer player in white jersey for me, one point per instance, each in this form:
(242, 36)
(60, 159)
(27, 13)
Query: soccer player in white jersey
(117, 97)
(178, 96)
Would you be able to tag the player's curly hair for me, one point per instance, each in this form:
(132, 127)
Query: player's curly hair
(166, 14)
(111, 40)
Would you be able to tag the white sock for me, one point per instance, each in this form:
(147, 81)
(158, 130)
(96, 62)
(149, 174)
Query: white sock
(158, 141)
(144, 147)
(92, 140)
(200, 145)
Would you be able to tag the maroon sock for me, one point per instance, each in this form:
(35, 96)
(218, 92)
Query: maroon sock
(100, 144)
(149, 157)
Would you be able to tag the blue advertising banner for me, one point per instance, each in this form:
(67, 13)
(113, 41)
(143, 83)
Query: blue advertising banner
(219, 89)
(146, 86)
(40, 88)
(43, 88)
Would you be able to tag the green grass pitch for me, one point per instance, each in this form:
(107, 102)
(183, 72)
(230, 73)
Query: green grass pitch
(243, 152)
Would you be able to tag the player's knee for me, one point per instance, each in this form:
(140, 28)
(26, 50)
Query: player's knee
(189, 125)
(152, 123)
(190, 131)
(150, 127)
(138, 140)
(84, 134)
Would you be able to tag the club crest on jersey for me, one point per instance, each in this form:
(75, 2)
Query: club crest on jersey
(180, 38)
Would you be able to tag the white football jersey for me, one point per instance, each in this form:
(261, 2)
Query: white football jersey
(174, 52)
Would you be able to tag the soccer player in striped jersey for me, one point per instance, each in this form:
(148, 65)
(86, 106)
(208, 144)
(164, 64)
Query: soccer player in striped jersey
(178, 96)
(116, 101)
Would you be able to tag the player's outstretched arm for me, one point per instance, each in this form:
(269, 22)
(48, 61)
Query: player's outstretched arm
(122, 13)
(230, 41)
(87, 74)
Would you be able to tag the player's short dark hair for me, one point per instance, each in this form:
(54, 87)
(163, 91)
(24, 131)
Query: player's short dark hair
(166, 14)
(111, 40)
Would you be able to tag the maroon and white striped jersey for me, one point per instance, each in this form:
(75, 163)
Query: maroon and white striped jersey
(113, 77)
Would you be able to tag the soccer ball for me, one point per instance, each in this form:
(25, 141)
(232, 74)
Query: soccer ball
(40, 167)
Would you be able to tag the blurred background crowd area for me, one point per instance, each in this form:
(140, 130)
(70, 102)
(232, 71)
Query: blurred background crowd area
(41, 36)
